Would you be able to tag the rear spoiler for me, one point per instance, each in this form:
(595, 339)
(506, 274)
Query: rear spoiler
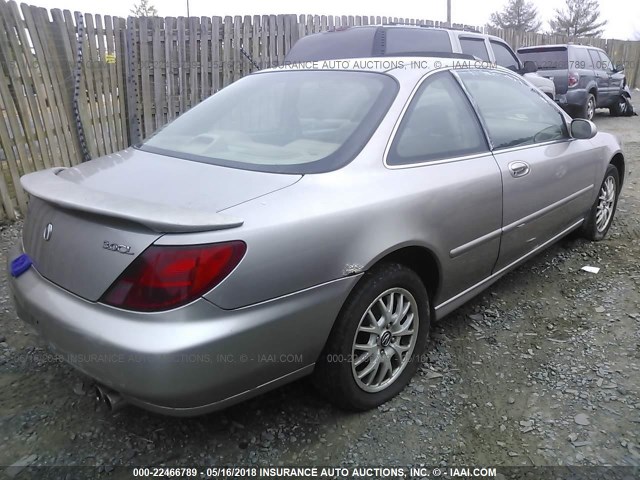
(47, 185)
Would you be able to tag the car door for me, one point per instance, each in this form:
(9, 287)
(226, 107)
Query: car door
(581, 61)
(602, 78)
(614, 86)
(441, 159)
(547, 177)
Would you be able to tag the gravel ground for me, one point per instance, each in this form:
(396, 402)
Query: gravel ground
(542, 369)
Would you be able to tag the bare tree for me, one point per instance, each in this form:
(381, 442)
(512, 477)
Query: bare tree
(578, 18)
(144, 9)
(518, 15)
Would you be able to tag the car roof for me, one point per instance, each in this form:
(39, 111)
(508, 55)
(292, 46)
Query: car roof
(456, 31)
(560, 45)
(372, 41)
(385, 64)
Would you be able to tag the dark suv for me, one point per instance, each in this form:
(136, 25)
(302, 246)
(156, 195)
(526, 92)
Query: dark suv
(584, 76)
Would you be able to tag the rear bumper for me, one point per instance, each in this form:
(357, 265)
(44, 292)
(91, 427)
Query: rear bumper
(190, 360)
(572, 99)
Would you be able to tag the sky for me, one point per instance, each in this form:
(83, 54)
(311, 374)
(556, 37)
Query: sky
(623, 16)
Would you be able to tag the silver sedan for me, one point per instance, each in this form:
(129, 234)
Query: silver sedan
(313, 219)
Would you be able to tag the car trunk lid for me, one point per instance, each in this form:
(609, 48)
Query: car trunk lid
(86, 224)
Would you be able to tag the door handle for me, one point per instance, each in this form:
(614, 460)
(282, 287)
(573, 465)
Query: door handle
(519, 169)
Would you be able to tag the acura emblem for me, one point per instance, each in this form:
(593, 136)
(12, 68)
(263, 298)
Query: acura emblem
(48, 230)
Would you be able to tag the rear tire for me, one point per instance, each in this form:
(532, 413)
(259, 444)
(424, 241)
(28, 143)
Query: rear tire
(619, 107)
(588, 109)
(600, 217)
(365, 364)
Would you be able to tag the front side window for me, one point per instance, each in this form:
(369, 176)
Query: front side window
(475, 47)
(439, 124)
(513, 112)
(504, 56)
(285, 122)
(605, 63)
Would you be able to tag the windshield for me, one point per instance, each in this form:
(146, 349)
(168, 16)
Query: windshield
(549, 58)
(285, 122)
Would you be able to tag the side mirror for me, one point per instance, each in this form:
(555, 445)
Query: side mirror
(618, 68)
(583, 129)
(530, 67)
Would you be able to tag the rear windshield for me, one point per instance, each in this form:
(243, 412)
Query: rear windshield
(286, 121)
(349, 43)
(415, 40)
(546, 58)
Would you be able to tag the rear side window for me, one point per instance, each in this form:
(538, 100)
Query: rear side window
(580, 59)
(439, 124)
(504, 56)
(416, 40)
(546, 58)
(349, 43)
(475, 47)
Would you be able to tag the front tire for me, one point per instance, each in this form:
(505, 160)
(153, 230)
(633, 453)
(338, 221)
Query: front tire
(376, 344)
(619, 107)
(601, 215)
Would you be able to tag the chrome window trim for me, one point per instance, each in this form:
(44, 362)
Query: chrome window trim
(529, 145)
(437, 162)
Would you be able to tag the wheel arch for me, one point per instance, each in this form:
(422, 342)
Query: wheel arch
(421, 260)
(618, 161)
(418, 258)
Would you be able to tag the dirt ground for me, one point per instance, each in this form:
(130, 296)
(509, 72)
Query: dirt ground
(542, 369)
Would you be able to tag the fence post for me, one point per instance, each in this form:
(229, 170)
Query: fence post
(133, 119)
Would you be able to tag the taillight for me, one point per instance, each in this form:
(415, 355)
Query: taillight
(165, 277)
(573, 78)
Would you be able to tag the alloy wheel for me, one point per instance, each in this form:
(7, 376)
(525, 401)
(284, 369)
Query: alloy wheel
(622, 105)
(591, 108)
(385, 339)
(606, 200)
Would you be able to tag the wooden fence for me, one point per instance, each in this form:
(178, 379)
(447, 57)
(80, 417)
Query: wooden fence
(137, 74)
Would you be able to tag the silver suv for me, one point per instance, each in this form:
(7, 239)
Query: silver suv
(413, 40)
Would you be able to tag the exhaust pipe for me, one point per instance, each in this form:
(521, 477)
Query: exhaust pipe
(110, 398)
